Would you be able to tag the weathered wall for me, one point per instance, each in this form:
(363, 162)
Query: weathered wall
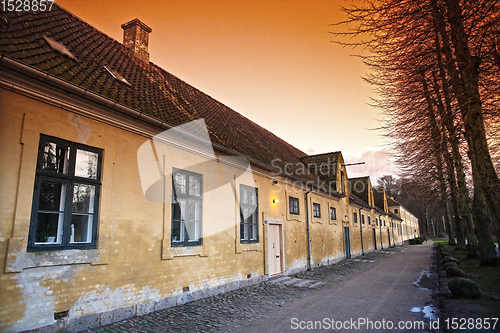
(130, 265)
(134, 269)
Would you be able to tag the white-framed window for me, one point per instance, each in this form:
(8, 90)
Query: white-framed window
(249, 214)
(65, 205)
(187, 208)
(316, 210)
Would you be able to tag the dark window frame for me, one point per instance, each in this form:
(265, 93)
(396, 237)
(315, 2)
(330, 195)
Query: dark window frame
(369, 220)
(253, 226)
(177, 212)
(316, 210)
(362, 219)
(334, 215)
(293, 203)
(68, 180)
(355, 217)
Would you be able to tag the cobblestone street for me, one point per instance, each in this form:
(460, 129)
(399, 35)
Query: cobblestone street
(228, 311)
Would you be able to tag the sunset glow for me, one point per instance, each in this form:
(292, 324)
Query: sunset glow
(272, 61)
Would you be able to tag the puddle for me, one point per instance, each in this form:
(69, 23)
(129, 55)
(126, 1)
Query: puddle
(429, 311)
(427, 281)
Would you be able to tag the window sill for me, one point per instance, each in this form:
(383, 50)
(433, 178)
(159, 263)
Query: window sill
(18, 258)
(170, 252)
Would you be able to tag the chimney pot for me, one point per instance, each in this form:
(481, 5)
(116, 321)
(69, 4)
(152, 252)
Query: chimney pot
(136, 38)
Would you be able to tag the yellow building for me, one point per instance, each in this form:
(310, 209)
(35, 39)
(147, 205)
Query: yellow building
(409, 227)
(125, 190)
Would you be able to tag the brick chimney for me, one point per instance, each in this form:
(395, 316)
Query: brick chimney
(136, 37)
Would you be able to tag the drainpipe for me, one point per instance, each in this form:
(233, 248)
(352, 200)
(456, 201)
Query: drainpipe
(309, 267)
(380, 227)
(361, 229)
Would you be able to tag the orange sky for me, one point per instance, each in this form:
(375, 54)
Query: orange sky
(271, 60)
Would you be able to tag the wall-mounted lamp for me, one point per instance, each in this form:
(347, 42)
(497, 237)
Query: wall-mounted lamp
(275, 201)
(274, 182)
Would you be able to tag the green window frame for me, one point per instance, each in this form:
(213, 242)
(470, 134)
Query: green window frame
(333, 213)
(249, 214)
(293, 204)
(65, 207)
(187, 208)
(316, 210)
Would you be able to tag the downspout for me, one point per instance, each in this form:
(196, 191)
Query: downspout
(361, 229)
(309, 267)
(380, 227)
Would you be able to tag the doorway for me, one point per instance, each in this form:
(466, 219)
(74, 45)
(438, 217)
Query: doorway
(275, 248)
(347, 242)
(375, 238)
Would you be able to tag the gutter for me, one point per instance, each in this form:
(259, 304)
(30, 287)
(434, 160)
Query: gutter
(309, 267)
(105, 101)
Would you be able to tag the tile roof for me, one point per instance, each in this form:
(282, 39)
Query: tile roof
(151, 89)
(391, 202)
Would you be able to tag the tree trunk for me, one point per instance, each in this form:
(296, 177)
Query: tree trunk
(437, 149)
(464, 201)
(464, 81)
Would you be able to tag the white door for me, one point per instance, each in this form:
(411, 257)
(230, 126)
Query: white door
(274, 248)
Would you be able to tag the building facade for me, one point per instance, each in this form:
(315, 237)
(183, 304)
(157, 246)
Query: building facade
(126, 190)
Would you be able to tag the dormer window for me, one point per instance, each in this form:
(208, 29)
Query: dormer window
(117, 75)
(59, 47)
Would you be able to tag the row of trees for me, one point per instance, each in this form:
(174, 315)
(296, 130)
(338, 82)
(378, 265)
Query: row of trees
(435, 65)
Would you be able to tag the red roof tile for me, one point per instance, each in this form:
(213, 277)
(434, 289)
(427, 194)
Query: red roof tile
(152, 90)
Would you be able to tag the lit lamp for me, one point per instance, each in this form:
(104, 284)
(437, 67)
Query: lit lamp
(275, 201)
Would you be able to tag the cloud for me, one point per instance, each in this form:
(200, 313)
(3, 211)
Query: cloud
(310, 151)
(377, 164)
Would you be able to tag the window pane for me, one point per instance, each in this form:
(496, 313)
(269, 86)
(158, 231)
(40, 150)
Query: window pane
(245, 230)
(55, 158)
(179, 208)
(49, 228)
(252, 196)
(177, 231)
(180, 183)
(255, 231)
(193, 230)
(244, 195)
(52, 195)
(242, 230)
(81, 228)
(194, 186)
(194, 210)
(83, 198)
(86, 164)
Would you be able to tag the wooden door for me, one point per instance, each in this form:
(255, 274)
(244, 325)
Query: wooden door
(274, 249)
(347, 242)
